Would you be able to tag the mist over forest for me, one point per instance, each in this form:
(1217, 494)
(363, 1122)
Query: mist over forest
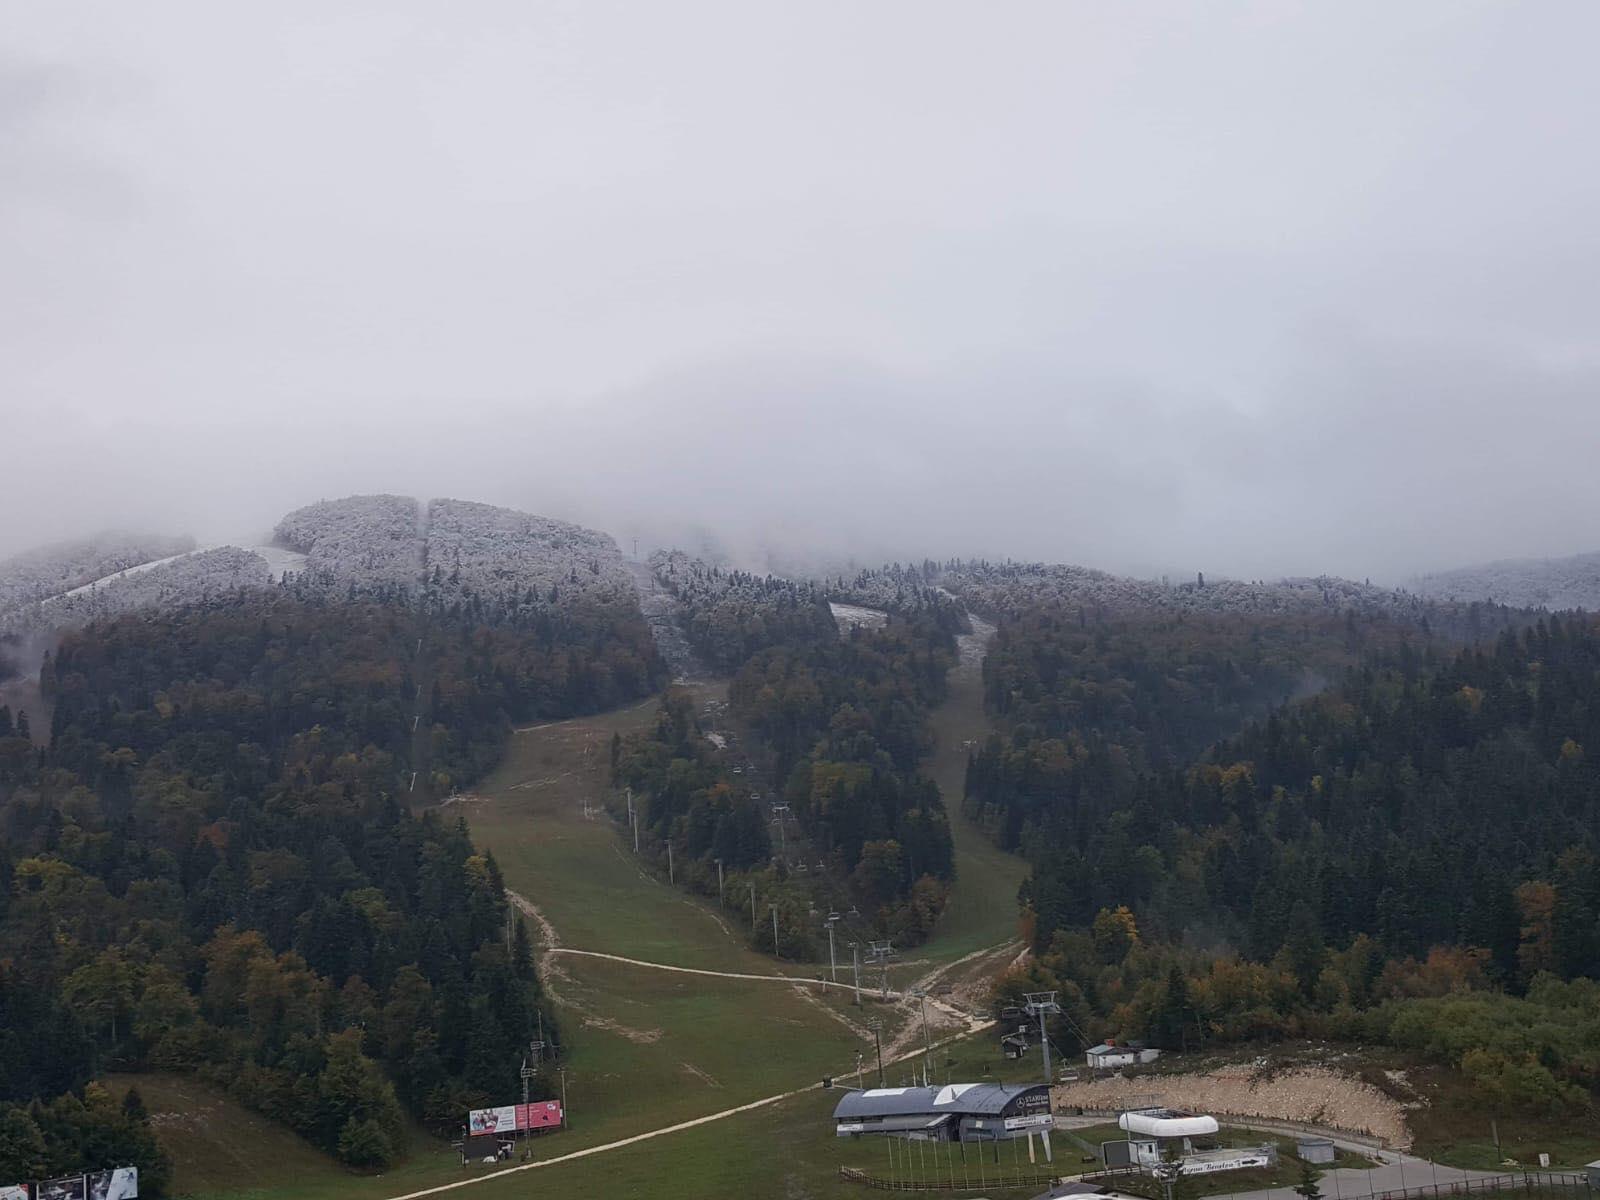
(1159, 325)
(577, 575)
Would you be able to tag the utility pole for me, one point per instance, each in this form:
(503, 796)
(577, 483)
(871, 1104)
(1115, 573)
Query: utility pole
(927, 1041)
(833, 966)
(855, 966)
(876, 1026)
(564, 1121)
(672, 875)
(721, 903)
(775, 931)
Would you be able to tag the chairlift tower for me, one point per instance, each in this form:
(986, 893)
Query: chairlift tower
(1041, 1005)
(879, 953)
(780, 814)
(536, 1049)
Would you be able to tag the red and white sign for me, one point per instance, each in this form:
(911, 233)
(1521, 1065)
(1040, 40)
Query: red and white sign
(543, 1114)
(510, 1118)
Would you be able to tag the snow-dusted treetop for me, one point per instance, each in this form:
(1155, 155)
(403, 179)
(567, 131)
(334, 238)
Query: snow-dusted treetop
(191, 579)
(520, 561)
(51, 570)
(373, 539)
(171, 583)
(1005, 589)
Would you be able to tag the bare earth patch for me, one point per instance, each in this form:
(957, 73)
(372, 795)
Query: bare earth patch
(643, 1037)
(1315, 1095)
(700, 1075)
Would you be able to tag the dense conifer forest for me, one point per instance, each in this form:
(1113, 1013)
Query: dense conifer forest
(837, 721)
(213, 867)
(1411, 856)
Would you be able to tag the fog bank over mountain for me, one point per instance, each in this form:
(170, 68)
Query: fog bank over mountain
(1258, 291)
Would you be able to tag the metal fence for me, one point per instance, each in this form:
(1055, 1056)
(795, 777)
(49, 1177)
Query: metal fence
(1565, 1184)
(993, 1182)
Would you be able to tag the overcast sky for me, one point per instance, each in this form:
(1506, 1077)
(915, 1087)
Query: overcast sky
(1249, 288)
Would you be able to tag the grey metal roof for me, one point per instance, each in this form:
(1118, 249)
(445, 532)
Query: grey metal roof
(978, 1099)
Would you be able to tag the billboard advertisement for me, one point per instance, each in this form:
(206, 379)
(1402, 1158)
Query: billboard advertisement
(542, 1114)
(68, 1187)
(508, 1118)
(492, 1120)
(13, 1191)
(119, 1183)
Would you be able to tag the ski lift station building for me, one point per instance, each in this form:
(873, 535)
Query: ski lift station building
(964, 1112)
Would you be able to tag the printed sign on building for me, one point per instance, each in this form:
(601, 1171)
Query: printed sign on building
(13, 1191)
(1036, 1121)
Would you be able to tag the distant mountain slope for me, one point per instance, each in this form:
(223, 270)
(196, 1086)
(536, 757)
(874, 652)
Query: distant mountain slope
(51, 570)
(1008, 589)
(1554, 583)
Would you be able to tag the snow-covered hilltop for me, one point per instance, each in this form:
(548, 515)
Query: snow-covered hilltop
(498, 563)
(1553, 583)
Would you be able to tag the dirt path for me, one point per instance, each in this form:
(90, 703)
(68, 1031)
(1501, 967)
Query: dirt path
(951, 1014)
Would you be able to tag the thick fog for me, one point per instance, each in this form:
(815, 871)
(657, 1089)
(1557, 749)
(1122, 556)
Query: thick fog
(1250, 288)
